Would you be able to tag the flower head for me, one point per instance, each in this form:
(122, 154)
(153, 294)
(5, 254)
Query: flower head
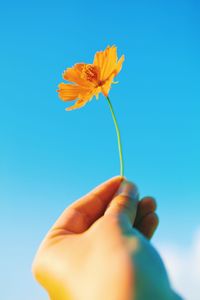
(88, 80)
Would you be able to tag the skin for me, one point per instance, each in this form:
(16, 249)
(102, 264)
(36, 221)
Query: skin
(98, 248)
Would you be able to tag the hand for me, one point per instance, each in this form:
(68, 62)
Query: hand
(93, 253)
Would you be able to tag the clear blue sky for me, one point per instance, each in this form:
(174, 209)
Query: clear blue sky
(50, 157)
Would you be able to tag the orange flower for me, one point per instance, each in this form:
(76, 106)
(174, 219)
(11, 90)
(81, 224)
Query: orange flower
(89, 80)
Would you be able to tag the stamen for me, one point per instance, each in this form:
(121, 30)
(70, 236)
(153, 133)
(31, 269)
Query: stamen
(90, 73)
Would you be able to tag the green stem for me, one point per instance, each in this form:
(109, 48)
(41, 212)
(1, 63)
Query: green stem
(118, 137)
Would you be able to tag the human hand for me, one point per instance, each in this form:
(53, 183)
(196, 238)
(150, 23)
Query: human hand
(92, 252)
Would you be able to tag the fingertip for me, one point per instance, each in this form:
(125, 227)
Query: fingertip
(117, 179)
(129, 189)
(148, 225)
(149, 202)
(124, 201)
(112, 184)
(145, 206)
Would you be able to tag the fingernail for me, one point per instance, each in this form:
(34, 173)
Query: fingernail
(129, 189)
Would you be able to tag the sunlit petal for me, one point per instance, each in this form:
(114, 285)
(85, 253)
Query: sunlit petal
(119, 64)
(68, 92)
(78, 104)
(106, 87)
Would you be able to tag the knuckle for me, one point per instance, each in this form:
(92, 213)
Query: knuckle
(123, 203)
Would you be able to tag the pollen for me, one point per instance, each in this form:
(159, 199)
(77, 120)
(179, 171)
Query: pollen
(90, 73)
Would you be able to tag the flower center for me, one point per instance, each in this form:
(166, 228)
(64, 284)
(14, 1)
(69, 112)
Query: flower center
(90, 73)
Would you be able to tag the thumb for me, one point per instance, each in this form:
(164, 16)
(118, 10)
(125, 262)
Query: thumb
(124, 201)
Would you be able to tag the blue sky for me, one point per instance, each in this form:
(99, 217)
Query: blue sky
(50, 157)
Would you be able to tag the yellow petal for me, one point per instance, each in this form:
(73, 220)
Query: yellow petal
(78, 104)
(119, 64)
(106, 87)
(99, 59)
(110, 62)
(106, 60)
(68, 92)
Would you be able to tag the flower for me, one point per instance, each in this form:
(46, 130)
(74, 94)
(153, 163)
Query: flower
(89, 80)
